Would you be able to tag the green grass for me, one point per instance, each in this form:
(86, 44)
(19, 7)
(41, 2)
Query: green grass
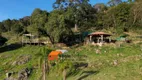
(100, 66)
(8, 57)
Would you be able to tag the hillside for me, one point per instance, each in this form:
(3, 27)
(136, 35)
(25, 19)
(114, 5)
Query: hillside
(110, 62)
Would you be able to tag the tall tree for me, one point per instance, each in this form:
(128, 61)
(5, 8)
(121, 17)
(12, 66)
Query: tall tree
(37, 22)
(117, 16)
(43, 61)
(83, 14)
(7, 24)
(2, 28)
(100, 7)
(101, 12)
(136, 12)
(61, 4)
(114, 2)
(17, 27)
(57, 27)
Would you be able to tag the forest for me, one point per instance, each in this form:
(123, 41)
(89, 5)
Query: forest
(71, 16)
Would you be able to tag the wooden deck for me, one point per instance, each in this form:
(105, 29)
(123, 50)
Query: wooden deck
(34, 43)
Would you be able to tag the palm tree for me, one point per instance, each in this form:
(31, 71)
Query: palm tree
(43, 61)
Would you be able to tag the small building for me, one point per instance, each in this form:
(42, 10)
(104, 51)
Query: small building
(99, 37)
(54, 55)
(33, 40)
(29, 39)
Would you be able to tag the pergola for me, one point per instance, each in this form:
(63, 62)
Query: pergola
(100, 36)
(31, 39)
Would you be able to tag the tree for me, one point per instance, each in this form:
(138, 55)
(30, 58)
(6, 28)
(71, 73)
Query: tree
(25, 21)
(100, 7)
(17, 27)
(7, 24)
(83, 15)
(62, 4)
(37, 22)
(117, 16)
(130, 1)
(114, 2)
(2, 28)
(57, 27)
(39, 16)
(136, 12)
(43, 61)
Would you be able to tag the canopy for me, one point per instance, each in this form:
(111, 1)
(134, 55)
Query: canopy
(98, 34)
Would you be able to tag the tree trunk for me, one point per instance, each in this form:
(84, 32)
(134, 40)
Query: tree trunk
(76, 27)
(48, 66)
(51, 39)
(64, 74)
(44, 70)
(114, 20)
(135, 17)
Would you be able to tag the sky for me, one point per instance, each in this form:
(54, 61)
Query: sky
(15, 9)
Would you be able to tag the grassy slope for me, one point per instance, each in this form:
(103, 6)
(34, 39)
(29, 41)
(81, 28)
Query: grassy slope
(8, 57)
(101, 67)
(129, 66)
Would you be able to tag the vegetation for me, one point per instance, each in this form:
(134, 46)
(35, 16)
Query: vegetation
(113, 62)
(2, 40)
(80, 14)
(68, 19)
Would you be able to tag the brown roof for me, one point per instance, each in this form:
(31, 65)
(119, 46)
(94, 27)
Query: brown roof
(99, 33)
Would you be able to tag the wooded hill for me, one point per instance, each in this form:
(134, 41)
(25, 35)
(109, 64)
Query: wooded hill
(58, 24)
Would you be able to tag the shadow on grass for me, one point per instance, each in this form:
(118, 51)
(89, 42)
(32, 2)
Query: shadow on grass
(10, 47)
(86, 74)
(77, 69)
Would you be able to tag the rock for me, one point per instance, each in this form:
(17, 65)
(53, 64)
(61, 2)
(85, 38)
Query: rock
(21, 60)
(14, 63)
(115, 62)
(9, 76)
(98, 51)
(24, 74)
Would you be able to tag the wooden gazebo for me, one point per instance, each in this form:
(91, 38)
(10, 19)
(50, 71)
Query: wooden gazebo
(99, 37)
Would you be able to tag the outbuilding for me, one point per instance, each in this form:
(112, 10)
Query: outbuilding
(54, 55)
(99, 37)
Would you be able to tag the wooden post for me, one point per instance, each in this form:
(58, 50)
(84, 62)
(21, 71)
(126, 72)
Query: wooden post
(64, 74)
(109, 39)
(76, 27)
(98, 40)
(102, 38)
(90, 38)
